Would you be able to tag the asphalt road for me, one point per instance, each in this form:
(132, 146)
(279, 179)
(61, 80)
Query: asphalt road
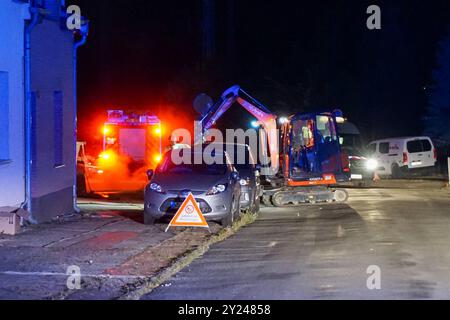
(323, 252)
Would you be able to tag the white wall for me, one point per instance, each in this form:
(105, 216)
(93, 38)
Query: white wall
(12, 181)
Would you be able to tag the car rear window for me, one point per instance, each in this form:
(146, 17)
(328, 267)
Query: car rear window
(192, 168)
(426, 145)
(414, 146)
(384, 147)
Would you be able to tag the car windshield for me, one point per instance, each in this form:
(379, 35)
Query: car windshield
(168, 166)
(352, 144)
(350, 141)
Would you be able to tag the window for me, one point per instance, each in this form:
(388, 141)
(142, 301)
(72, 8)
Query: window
(426, 145)
(326, 129)
(58, 128)
(33, 130)
(414, 146)
(4, 117)
(384, 147)
(170, 166)
(303, 134)
(351, 141)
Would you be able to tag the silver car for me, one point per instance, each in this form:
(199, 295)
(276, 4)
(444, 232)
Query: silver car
(216, 189)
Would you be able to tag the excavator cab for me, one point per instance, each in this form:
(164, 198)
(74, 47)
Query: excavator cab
(311, 153)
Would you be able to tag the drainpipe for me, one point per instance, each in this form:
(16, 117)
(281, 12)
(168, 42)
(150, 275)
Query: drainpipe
(78, 44)
(28, 112)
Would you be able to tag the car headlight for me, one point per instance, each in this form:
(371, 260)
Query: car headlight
(372, 164)
(243, 182)
(216, 189)
(156, 187)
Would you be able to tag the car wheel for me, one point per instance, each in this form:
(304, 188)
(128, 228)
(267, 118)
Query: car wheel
(229, 219)
(148, 219)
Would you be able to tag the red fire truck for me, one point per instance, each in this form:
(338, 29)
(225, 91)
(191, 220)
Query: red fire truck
(131, 145)
(136, 137)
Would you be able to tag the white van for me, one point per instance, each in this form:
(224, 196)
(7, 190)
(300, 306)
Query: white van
(397, 156)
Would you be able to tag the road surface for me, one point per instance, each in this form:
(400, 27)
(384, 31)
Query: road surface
(324, 252)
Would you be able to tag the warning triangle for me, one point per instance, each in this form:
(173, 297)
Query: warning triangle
(189, 215)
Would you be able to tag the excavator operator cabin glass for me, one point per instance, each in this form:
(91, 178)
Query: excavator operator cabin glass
(326, 129)
(303, 134)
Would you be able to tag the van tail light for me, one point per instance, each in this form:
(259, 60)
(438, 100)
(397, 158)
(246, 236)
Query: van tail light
(405, 158)
(435, 154)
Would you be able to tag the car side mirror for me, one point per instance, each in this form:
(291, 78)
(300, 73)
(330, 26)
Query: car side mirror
(150, 174)
(235, 176)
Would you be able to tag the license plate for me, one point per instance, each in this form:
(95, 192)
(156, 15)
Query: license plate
(357, 176)
(416, 163)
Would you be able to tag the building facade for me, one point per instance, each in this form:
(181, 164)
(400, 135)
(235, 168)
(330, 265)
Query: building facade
(12, 103)
(37, 103)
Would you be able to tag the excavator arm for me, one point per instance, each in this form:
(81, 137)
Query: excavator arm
(265, 117)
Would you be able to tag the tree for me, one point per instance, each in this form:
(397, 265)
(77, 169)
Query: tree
(437, 120)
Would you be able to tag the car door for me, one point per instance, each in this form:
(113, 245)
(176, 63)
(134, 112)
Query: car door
(428, 153)
(415, 153)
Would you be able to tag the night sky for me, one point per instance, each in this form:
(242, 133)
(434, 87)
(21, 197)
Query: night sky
(146, 55)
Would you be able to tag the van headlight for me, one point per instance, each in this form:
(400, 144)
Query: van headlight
(371, 164)
(216, 189)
